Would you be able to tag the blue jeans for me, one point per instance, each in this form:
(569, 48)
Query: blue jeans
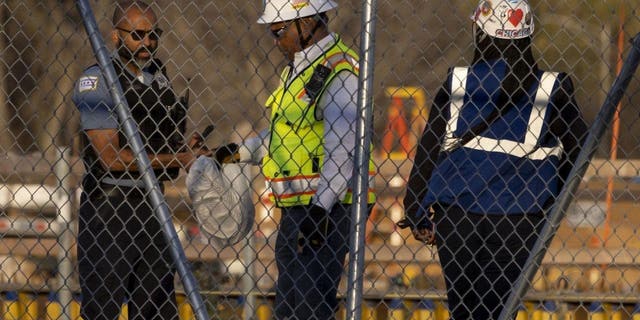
(308, 275)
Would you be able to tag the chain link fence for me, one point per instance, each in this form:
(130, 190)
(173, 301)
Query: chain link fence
(228, 65)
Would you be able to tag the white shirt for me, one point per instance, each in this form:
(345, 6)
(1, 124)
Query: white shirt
(338, 106)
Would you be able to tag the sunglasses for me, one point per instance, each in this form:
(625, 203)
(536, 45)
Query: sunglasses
(139, 35)
(278, 33)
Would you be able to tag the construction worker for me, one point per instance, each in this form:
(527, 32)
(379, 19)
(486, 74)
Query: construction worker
(307, 156)
(501, 138)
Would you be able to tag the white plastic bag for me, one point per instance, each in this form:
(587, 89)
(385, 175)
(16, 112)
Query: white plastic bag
(221, 200)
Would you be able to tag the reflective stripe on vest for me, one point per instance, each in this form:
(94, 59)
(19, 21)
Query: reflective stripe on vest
(300, 185)
(527, 149)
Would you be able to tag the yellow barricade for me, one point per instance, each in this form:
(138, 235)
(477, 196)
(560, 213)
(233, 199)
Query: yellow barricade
(369, 310)
(53, 309)
(28, 306)
(230, 308)
(263, 311)
(424, 310)
(395, 310)
(75, 307)
(522, 313)
(11, 306)
(617, 312)
(542, 311)
(549, 311)
(124, 312)
(442, 310)
(635, 314)
(185, 311)
(535, 311)
(596, 311)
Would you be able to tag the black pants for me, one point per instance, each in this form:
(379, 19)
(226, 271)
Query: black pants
(308, 275)
(482, 257)
(122, 256)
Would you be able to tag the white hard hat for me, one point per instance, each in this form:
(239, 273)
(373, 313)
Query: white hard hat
(504, 19)
(284, 10)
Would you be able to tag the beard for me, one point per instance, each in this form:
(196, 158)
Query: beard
(128, 56)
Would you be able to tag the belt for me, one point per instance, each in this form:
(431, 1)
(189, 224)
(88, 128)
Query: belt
(123, 182)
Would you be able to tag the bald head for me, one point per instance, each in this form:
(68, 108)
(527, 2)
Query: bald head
(124, 10)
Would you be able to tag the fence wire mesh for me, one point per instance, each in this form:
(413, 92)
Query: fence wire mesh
(62, 245)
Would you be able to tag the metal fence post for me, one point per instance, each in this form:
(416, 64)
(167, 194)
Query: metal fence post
(361, 166)
(148, 176)
(596, 131)
(248, 256)
(62, 199)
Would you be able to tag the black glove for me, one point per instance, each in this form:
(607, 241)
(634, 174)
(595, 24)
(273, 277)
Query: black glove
(314, 227)
(226, 153)
(413, 221)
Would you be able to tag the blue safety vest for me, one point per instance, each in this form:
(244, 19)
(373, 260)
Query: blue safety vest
(511, 167)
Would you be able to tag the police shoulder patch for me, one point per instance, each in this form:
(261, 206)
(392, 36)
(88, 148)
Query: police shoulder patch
(162, 81)
(88, 83)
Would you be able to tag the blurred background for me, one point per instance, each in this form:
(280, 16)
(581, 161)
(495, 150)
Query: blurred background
(229, 64)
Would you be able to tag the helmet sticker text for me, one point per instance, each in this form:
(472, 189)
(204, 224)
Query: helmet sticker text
(299, 4)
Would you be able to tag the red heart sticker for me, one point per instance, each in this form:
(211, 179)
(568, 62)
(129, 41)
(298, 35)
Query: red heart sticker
(515, 16)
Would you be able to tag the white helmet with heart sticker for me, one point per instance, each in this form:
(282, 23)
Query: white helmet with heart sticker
(504, 19)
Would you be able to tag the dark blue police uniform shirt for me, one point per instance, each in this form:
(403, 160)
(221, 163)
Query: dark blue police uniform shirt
(92, 98)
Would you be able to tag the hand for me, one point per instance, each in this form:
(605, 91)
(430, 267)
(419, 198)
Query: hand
(189, 156)
(197, 146)
(196, 141)
(421, 226)
(425, 235)
(227, 153)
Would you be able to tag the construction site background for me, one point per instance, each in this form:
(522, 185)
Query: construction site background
(229, 65)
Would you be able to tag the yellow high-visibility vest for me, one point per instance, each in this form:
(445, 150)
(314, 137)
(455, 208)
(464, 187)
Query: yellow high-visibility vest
(292, 166)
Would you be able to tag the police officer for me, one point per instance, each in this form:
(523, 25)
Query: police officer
(501, 138)
(121, 250)
(307, 156)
